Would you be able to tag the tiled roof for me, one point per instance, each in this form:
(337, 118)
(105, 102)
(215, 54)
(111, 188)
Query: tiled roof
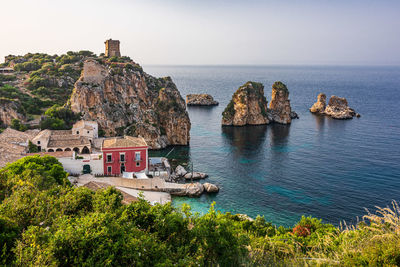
(13, 145)
(43, 134)
(57, 141)
(62, 138)
(126, 141)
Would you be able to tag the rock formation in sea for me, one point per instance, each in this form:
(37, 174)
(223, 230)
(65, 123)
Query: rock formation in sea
(248, 106)
(337, 108)
(125, 100)
(320, 105)
(200, 100)
(279, 107)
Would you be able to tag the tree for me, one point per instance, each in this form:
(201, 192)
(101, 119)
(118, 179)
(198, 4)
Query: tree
(17, 125)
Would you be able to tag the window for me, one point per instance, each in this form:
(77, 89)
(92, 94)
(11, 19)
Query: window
(109, 158)
(122, 168)
(137, 156)
(77, 132)
(87, 131)
(38, 142)
(137, 163)
(122, 157)
(109, 169)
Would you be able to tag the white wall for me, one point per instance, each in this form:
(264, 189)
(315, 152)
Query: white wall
(76, 165)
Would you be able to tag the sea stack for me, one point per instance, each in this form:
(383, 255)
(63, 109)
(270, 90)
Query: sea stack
(247, 107)
(320, 105)
(337, 108)
(280, 110)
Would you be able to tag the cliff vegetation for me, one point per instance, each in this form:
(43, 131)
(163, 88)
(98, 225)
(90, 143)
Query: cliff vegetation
(44, 221)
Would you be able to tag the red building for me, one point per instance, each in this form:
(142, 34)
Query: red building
(124, 154)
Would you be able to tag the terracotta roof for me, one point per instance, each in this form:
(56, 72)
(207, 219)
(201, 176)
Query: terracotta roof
(61, 132)
(13, 136)
(43, 134)
(67, 141)
(13, 145)
(62, 138)
(126, 141)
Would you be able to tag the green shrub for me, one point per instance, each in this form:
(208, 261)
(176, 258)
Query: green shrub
(279, 86)
(7, 78)
(32, 147)
(17, 125)
(229, 111)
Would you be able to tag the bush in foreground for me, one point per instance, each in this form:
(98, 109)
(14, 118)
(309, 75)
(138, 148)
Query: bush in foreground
(46, 221)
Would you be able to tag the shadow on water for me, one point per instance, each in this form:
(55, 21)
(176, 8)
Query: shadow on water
(279, 136)
(249, 137)
(319, 122)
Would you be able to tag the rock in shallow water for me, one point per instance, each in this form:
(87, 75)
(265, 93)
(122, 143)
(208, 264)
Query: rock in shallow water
(195, 175)
(210, 188)
(191, 190)
(180, 171)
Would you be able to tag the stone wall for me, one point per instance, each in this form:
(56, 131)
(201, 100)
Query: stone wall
(112, 48)
(75, 166)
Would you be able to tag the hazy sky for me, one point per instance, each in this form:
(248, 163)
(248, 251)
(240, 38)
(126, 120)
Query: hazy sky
(209, 32)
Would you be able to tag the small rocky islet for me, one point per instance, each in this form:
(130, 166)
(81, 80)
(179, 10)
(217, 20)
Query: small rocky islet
(249, 106)
(337, 108)
(200, 100)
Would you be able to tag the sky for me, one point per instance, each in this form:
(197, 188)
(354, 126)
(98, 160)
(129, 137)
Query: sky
(209, 32)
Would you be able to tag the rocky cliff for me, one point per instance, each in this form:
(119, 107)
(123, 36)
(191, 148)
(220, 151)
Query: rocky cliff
(337, 108)
(248, 106)
(200, 100)
(125, 100)
(9, 111)
(280, 110)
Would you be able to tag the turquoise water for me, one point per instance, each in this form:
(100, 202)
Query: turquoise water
(316, 166)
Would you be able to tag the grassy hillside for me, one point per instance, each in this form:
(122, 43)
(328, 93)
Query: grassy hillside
(41, 81)
(46, 221)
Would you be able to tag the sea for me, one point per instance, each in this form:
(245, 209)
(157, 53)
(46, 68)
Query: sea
(334, 170)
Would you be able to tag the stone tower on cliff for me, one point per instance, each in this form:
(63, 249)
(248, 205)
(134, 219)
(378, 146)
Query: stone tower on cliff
(112, 48)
